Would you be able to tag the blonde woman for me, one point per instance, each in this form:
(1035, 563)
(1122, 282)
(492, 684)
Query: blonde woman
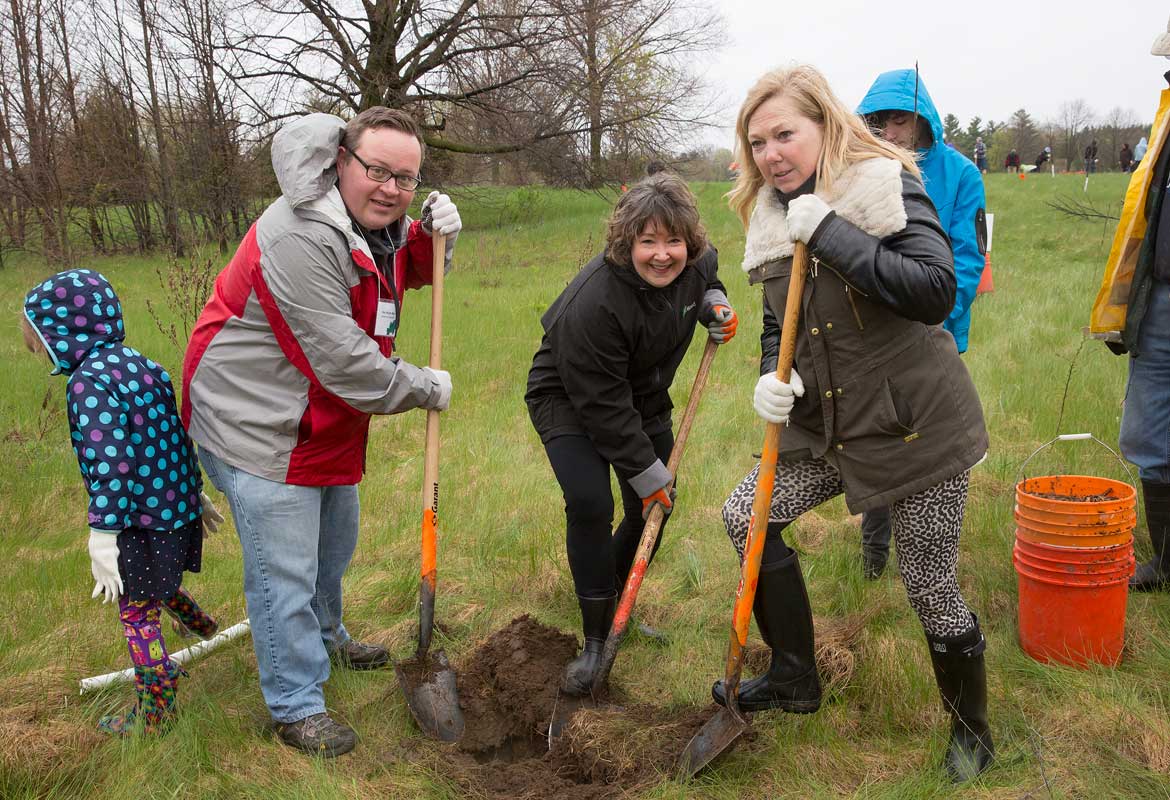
(879, 406)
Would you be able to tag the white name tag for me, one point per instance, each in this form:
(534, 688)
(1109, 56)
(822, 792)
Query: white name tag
(386, 323)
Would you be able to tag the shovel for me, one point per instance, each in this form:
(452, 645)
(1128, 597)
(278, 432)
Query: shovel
(721, 731)
(621, 618)
(427, 679)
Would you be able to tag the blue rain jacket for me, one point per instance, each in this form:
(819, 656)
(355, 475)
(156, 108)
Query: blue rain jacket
(136, 459)
(953, 183)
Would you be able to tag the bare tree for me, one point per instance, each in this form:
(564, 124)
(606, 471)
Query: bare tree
(1116, 125)
(628, 74)
(146, 18)
(30, 121)
(485, 76)
(202, 119)
(1071, 119)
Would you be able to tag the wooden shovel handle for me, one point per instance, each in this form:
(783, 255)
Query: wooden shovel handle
(745, 594)
(430, 493)
(621, 617)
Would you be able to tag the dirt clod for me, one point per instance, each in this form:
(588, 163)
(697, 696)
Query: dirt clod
(1108, 494)
(508, 691)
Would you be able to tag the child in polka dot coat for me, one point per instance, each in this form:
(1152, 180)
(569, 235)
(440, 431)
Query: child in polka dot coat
(146, 508)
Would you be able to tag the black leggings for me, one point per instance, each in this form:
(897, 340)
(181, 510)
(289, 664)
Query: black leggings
(598, 560)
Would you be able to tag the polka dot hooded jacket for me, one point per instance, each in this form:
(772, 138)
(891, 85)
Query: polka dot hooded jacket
(136, 459)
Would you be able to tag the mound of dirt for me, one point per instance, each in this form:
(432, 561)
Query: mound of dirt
(509, 696)
(508, 688)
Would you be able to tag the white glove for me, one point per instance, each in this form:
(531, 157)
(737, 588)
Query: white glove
(103, 564)
(443, 378)
(805, 213)
(439, 214)
(211, 516)
(774, 399)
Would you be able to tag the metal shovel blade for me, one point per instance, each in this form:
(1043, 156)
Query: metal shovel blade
(716, 735)
(428, 682)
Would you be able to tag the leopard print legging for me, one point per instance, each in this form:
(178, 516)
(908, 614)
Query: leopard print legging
(925, 527)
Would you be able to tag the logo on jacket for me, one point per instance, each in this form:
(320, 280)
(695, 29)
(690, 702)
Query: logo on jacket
(686, 309)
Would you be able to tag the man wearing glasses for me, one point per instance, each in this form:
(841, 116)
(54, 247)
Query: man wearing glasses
(289, 359)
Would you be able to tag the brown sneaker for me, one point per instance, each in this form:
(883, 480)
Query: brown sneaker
(318, 735)
(355, 655)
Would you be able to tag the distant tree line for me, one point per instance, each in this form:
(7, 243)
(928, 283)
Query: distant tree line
(138, 124)
(1073, 128)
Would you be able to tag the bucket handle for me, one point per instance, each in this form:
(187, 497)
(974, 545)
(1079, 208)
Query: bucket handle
(1072, 437)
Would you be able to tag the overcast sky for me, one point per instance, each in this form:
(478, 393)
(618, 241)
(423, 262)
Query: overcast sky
(984, 57)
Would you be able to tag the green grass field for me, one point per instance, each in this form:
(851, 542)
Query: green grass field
(1060, 733)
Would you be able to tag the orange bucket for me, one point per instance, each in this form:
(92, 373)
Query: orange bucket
(1076, 561)
(1120, 495)
(1074, 536)
(1073, 611)
(1073, 558)
(1093, 519)
(1103, 522)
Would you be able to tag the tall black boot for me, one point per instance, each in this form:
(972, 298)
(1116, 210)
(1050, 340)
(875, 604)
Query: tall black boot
(961, 674)
(596, 618)
(785, 619)
(875, 542)
(1155, 573)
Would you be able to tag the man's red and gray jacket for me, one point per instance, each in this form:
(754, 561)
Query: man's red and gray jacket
(284, 369)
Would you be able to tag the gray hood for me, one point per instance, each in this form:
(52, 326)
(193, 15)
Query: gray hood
(304, 157)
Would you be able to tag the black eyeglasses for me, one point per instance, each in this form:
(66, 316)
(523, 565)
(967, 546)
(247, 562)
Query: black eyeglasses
(407, 183)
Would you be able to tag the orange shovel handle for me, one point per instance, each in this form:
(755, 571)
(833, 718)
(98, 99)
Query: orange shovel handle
(430, 494)
(745, 594)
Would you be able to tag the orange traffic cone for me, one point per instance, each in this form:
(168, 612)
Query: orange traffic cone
(986, 284)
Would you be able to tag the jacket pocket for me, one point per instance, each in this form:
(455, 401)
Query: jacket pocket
(901, 413)
(870, 408)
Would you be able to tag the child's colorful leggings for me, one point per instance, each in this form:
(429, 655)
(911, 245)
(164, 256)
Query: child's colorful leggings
(155, 676)
(187, 612)
(140, 620)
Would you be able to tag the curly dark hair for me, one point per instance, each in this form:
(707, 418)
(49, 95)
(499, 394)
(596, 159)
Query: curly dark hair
(662, 199)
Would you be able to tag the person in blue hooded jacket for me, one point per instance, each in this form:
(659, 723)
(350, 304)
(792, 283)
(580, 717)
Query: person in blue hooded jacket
(900, 109)
(146, 511)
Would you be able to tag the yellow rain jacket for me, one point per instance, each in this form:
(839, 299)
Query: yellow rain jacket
(1124, 292)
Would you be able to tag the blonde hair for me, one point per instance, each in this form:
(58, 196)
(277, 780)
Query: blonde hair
(846, 139)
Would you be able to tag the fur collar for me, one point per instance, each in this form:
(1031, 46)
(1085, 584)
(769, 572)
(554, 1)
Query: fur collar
(868, 194)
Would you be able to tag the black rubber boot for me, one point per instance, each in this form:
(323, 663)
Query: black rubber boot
(961, 674)
(785, 619)
(1155, 573)
(875, 542)
(596, 618)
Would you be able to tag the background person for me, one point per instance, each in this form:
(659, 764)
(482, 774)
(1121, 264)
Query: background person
(1091, 157)
(1144, 319)
(599, 388)
(1011, 162)
(1042, 158)
(146, 509)
(980, 154)
(1125, 157)
(288, 361)
(955, 187)
(879, 405)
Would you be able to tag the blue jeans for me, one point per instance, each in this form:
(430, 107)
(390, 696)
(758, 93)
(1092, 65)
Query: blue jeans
(1145, 418)
(297, 543)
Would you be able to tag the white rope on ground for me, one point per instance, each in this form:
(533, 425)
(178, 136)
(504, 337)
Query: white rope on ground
(182, 657)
